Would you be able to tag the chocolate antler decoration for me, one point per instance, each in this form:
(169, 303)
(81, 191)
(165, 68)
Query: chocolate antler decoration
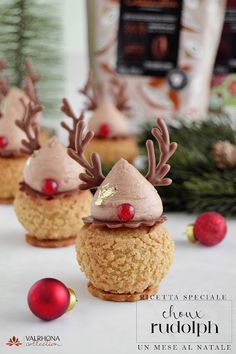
(118, 89)
(95, 176)
(66, 108)
(157, 173)
(4, 87)
(4, 82)
(30, 81)
(28, 126)
(90, 92)
(3, 65)
(31, 73)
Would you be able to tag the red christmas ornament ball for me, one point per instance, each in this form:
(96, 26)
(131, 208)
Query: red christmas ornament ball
(3, 142)
(49, 186)
(48, 299)
(210, 228)
(125, 212)
(104, 131)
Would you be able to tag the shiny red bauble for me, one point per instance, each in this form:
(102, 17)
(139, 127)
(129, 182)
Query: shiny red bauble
(49, 186)
(210, 228)
(125, 212)
(104, 131)
(48, 299)
(3, 142)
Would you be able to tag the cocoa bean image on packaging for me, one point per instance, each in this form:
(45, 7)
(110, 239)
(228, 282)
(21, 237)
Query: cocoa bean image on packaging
(160, 47)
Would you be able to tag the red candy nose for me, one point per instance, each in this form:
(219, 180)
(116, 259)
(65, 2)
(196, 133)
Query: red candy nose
(125, 212)
(49, 186)
(3, 142)
(104, 131)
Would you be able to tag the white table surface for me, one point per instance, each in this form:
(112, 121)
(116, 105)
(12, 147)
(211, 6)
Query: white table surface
(96, 326)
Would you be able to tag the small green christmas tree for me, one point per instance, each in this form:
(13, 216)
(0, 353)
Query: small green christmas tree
(32, 28)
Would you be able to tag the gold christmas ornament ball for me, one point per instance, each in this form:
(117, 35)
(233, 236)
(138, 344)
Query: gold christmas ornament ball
(190, 233)
(73, 299)
(224, 154)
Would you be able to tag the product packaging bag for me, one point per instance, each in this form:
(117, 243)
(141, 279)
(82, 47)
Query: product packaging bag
(164, 49)
(224, 77)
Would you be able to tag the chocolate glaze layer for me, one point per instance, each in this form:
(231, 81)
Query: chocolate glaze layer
(117, 224)
(29, 191)
(11, 153)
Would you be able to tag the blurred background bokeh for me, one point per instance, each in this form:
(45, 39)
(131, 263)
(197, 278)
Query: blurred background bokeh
(200, 112)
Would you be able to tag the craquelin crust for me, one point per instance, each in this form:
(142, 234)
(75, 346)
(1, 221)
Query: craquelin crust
(44, 136)
(52, 219)
(11, 174)
(122, 261)
(112, 150)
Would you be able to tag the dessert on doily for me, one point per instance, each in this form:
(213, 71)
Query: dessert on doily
(12, 159)
(124, 248)
(49, 204)
(112, 139)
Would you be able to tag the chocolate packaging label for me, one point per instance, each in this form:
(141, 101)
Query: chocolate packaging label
(148, 37)
(224, 78)
(163, 49)
(226, 56)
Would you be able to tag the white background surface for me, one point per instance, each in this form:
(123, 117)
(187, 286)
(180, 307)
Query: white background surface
(95, 326)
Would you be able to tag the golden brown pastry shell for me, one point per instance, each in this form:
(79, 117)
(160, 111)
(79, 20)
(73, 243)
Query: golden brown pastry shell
(124, 261)
(54, 219)
(11, 174)
(112, 150)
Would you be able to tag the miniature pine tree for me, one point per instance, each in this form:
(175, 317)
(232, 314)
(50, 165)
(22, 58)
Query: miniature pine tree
(32, 28)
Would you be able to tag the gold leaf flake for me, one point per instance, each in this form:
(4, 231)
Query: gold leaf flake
(34, 154)
(105, 192)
